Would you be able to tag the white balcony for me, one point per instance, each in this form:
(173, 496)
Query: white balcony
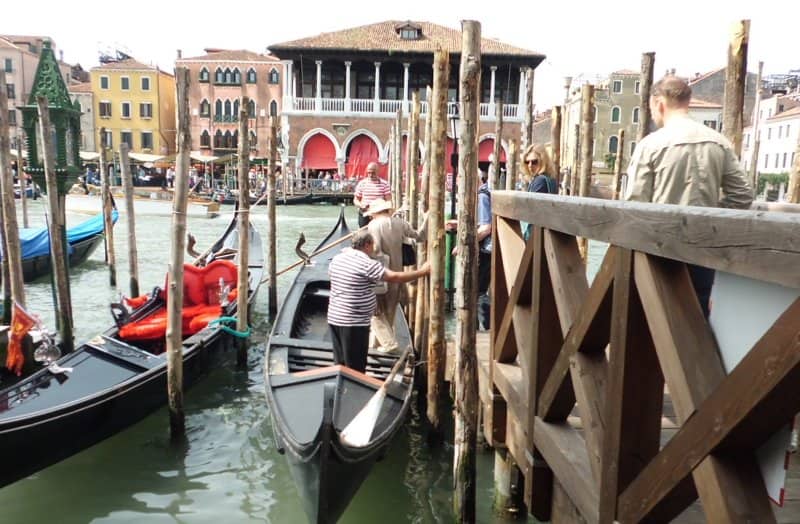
(381, 108)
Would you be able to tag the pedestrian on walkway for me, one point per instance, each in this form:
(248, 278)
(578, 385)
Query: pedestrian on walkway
(370, 188)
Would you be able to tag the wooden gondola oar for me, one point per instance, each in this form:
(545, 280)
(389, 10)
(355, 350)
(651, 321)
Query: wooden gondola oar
(359, 430)
(315, 253)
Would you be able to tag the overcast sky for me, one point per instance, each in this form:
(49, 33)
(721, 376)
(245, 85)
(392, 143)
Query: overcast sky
(577, 36)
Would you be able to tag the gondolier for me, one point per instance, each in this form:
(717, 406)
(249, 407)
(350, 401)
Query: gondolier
(369, 189)
(352, 298)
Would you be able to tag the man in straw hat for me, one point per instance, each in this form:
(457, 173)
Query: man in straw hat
(389, 232)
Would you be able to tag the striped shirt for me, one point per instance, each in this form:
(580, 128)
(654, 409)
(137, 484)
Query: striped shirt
(352, 299)
(367, 190)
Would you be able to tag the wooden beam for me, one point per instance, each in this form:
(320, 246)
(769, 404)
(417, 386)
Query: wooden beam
(588, 333)
(568, 276)
(759, 245)
(11, 244)
(691, 365)
(645, 86)
(565, 452)
(243, 224)
(618, 163)
(520, 295)
(555, 142)
(635, 393)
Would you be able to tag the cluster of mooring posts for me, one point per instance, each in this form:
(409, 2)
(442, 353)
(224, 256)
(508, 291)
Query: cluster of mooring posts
(570, 381)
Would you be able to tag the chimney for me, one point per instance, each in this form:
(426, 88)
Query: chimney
(180, 54)
(61, 55)
(672, 71)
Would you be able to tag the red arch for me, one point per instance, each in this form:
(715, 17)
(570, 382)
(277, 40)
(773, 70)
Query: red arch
(361, 151)
(486, 148)
(319, 153)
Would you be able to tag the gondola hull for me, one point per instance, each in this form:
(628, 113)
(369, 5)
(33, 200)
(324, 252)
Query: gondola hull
(39, 266)
(311, 400)
(113, 383)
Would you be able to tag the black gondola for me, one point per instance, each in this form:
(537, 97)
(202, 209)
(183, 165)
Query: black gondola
(311, 400)
(119, 377)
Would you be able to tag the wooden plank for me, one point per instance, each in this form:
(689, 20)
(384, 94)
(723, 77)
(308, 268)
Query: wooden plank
(688, 355)
(568, 276)
(564, 511)
(565, 452)
(588, 333)
(589, 375)
(759, 245)
(509, 382)
(634, 396)
(520, 294)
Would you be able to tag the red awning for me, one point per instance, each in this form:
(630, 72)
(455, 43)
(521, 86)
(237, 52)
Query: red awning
(361, 151)
(486, 149)
(319, 153)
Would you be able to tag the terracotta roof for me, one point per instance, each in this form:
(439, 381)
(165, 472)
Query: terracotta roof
(231, 55)
(705, 75)
(789, 113)
(383, 36)
(129, 64)
(83, 87)
(704, 104)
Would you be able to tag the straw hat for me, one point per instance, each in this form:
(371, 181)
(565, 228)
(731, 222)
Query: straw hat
(377, 206)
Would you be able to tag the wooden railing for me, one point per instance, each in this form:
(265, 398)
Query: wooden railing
(605, 350)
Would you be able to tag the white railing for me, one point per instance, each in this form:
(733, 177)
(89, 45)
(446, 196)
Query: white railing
(388, 107)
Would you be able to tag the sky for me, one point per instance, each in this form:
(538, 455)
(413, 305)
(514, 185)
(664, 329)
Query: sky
(578, 37)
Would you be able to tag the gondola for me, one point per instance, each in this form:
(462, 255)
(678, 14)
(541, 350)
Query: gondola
(119, 377)
(291, 200)
(311, 400)
(82, 240)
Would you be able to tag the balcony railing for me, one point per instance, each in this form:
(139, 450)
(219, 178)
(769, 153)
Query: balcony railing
(384, 107)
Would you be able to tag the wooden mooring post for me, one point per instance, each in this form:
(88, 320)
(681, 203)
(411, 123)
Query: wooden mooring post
(436, 241)
(105, 203)
(527, 118)
(412, 195)
(494, 177)
(58, 230)
(23, 182)
(397, 158)
(12, 252)
(466, 370)
(272, 225)
(177, 421)
(555, 140)
(794, 177)
(755, 126)
(130, 211)
(587, 139)
(421, 317)
(645, 87)
(735, 83)
(244, 234)
(511, 166)
(618, 162)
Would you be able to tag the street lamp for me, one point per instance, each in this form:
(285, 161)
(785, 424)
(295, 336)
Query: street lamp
(451, 269)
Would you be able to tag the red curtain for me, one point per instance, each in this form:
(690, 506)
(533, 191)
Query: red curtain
(362, 151)
(319, 153)
(486, 148)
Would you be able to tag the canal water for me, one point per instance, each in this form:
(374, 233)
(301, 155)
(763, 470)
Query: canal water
(229, 470)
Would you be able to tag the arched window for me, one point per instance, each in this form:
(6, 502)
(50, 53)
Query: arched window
(205, 108)
(218, 109)
(613, 144)
(227, 108)
(237, 76)
(273, 108)
(205, 139)
(251, 108)
(236, 109)
(219, 76)
(235, 140)
(218, 140)
(204, 74)
(615, 114)
(253, 140)
(228, 140)
(635, 115)
(251, 76)
(274, 76)
(228, 76)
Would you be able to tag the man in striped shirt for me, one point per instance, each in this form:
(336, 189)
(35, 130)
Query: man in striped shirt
(352, 298)
(370, 188)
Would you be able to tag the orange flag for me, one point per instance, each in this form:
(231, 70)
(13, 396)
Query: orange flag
(21, 323)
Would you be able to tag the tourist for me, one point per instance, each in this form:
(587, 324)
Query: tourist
(370, 188)
(352, 303)
(685, 163)
(537, 173)
(389, 231)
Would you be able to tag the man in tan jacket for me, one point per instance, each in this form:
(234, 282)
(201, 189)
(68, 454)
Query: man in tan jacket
(685, 163)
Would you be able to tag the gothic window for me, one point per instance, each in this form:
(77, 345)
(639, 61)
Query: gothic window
(218, 108)
(237, 76)
(273, 108)
(205, 139)
(274, 76)
(219, 76)
(204, 74)
(205, 108)
(218, 140)
(251, 109)
(251, 76)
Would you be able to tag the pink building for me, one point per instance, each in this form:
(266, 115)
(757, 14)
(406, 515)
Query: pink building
(217, 82)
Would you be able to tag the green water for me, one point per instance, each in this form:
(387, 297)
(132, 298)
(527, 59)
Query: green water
(229, 470)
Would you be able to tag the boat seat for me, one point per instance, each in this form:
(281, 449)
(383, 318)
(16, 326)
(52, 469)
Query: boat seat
(201, 305)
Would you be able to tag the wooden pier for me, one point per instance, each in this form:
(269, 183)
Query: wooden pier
(634, 417)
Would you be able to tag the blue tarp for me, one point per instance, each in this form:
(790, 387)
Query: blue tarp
(36, 242)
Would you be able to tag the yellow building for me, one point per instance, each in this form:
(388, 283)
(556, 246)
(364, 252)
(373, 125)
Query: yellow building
(135, 103)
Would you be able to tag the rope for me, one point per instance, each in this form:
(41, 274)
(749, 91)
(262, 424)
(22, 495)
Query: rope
(222, 320)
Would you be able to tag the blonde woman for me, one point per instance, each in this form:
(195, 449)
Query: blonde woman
(538, 170)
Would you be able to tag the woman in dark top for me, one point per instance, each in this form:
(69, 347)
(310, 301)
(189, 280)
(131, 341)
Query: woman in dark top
(538, 171)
